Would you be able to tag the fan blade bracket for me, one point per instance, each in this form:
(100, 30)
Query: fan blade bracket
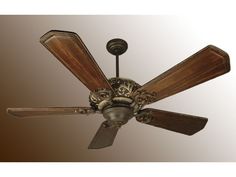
(109, 124)
(84, 110)
(144, 117)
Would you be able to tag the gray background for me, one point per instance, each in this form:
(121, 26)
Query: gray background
(31, 76)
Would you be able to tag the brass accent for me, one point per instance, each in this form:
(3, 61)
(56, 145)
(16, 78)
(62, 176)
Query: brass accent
(122, 100)
(123, 87)
(100, 96)
(144, 117)
(142, 97)
(103, 104)
(123, 90)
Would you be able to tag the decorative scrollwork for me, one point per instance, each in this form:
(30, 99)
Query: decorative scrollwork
(144, 117)
(143, 97)
(123, 94)
(98, 96)
(123, 87)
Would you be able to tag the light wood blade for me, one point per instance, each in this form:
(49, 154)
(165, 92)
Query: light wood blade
(104, 137)
(70, 50)
(177, 122)
(29, 112)
(204, 65)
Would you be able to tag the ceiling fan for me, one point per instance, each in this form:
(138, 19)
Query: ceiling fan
(120, 99)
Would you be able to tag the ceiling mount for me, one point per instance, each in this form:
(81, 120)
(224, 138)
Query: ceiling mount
(117, 46)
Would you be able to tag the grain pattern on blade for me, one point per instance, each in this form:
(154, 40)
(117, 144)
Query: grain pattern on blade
(177, 122)
(28, 112)
(206, 64)
(104, 137)
(69, 49)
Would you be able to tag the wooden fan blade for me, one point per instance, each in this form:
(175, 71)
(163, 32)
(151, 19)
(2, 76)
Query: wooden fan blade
(204, 65)
(69, 49)
(104, 137)
(28, 112)
(181, 123)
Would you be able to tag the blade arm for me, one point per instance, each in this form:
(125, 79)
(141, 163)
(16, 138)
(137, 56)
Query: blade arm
(39, 111)
(181, 123)
(208, 63)
(104, 137)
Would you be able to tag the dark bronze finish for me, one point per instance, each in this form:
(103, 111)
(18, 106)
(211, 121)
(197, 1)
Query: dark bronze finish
(117, 66)
(117, 46)
(120, 99)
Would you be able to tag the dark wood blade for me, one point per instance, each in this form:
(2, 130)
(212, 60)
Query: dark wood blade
(104, 137)
(181, 123)
(204, 65)
(69, 49)
(28, 112)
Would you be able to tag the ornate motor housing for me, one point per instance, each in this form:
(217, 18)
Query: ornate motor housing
(123, 95)
(123, 87)
(100, 98)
